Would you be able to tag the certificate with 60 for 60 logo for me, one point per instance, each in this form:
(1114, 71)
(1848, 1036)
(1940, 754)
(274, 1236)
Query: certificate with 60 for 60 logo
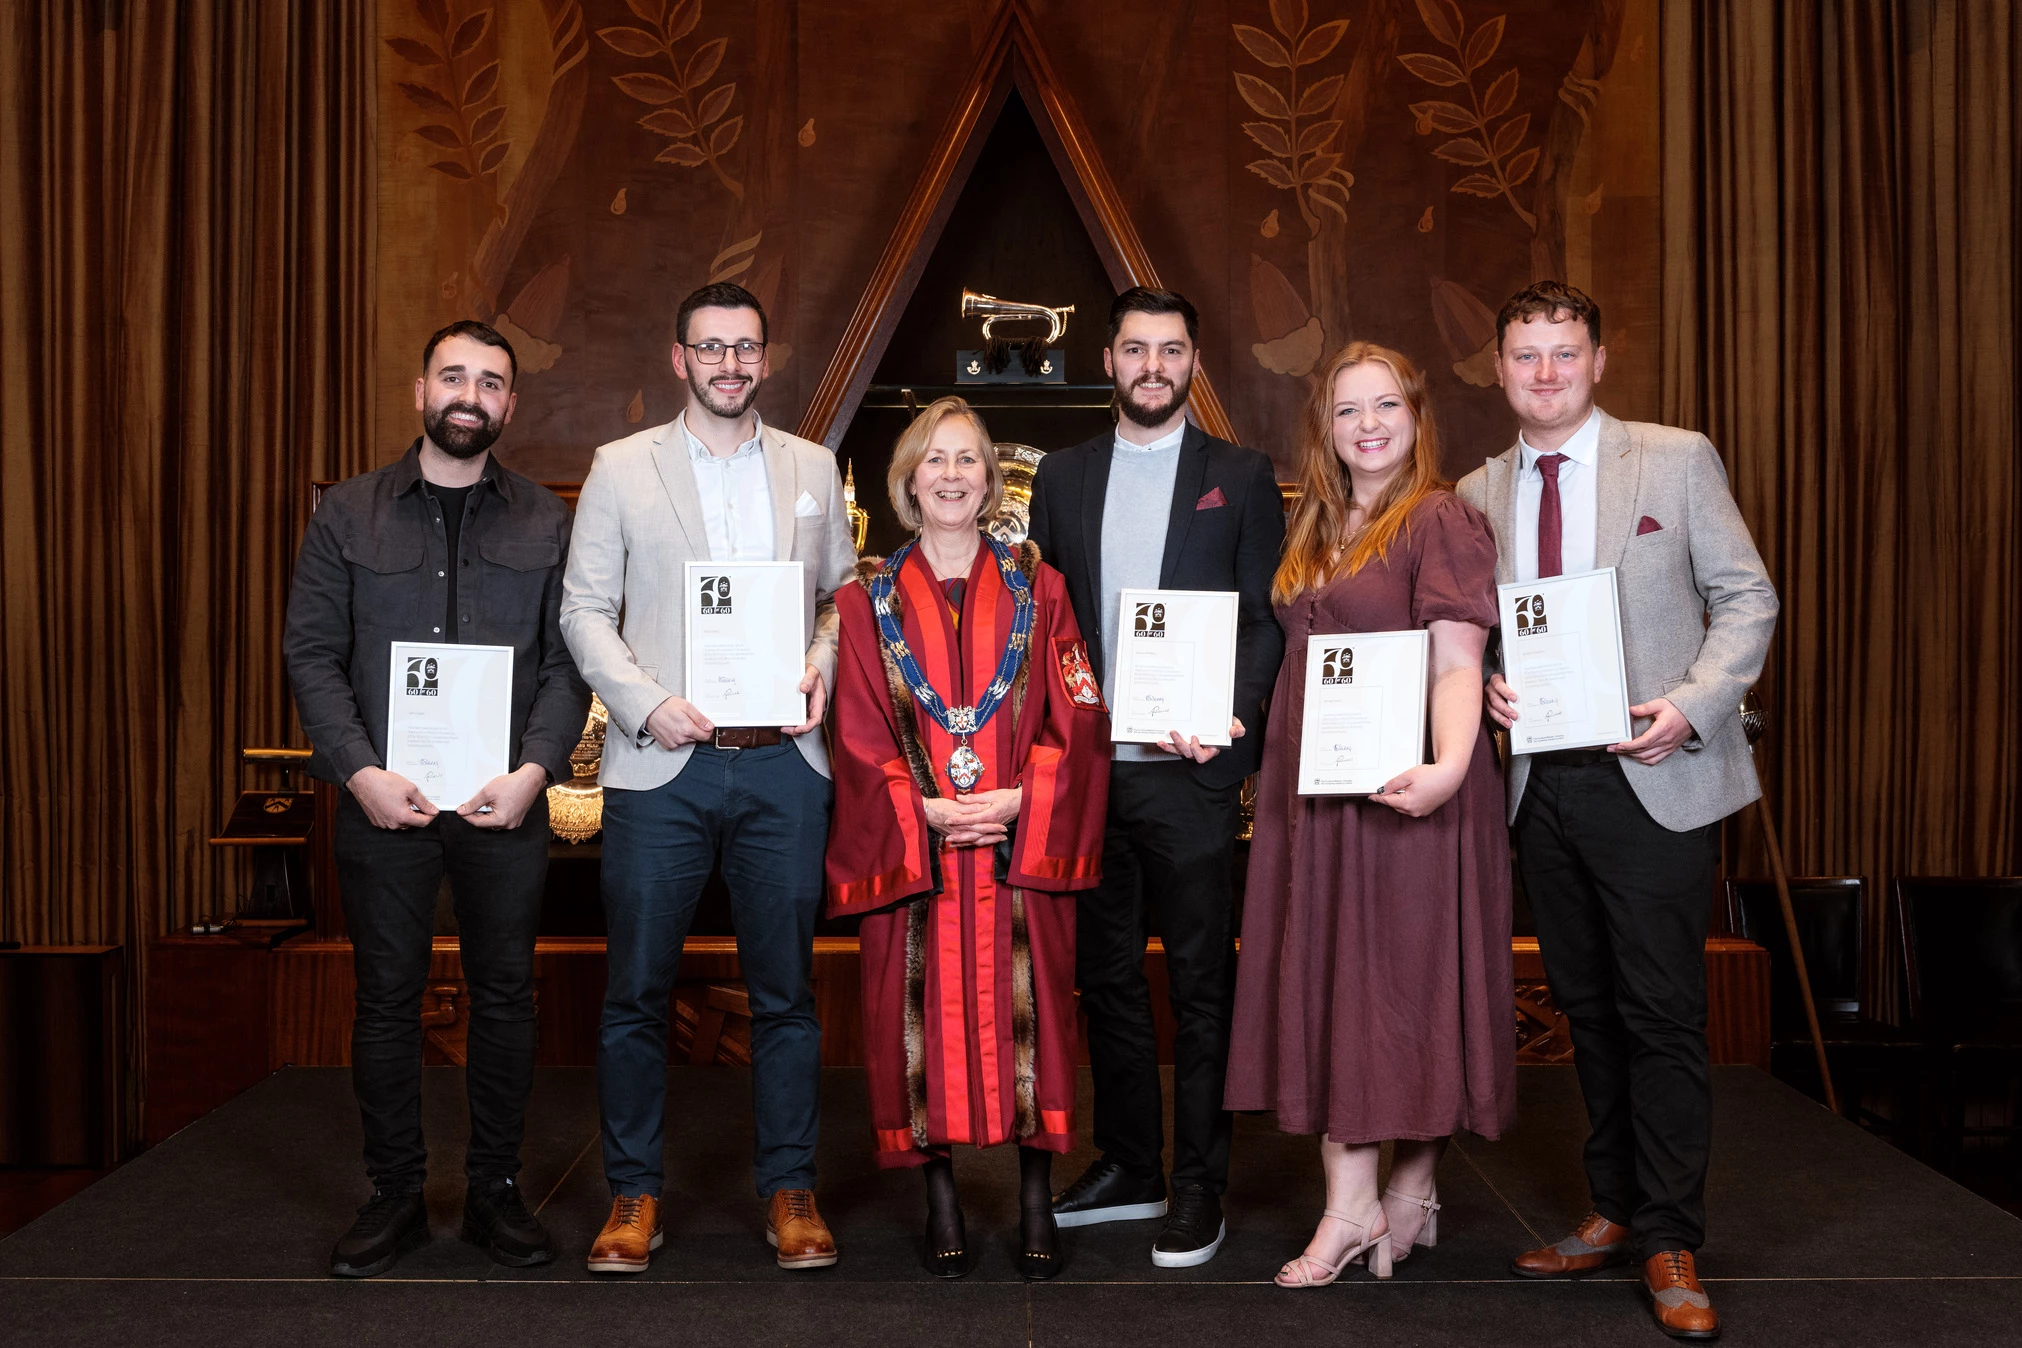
(746, 646)
(1562, 656)
(449, 717)
(1364, 711)
(1175, 666)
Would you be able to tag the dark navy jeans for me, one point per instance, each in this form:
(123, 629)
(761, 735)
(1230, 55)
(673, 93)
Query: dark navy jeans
(764, 814)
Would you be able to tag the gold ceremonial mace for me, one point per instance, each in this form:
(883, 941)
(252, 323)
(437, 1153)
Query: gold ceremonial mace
(1754, 721)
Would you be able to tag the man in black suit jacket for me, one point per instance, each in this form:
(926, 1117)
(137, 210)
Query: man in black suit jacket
(1161, 504)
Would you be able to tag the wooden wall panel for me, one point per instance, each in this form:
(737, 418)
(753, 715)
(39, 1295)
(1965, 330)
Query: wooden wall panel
(209, 1002)
(62, 1059)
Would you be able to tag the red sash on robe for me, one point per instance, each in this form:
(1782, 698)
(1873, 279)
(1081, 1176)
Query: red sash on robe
(969, 1015)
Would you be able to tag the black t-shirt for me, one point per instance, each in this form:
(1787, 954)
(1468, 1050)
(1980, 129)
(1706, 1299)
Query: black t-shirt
(453, 501)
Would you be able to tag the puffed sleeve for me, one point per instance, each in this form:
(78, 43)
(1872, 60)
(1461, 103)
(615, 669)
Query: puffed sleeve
(1452, 564)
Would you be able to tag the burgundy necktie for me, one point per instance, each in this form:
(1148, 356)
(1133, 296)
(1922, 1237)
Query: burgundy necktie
(1551, 523)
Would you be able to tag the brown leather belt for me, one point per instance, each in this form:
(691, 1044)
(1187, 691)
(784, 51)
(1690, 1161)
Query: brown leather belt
(746, 737)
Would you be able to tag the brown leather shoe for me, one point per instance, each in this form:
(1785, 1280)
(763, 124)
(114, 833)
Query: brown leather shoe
(630, 1235)
(796, 1230)
(1597, 1244)
(1677, 1300)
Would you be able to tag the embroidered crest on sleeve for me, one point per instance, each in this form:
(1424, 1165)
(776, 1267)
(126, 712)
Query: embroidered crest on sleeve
(1077, 677)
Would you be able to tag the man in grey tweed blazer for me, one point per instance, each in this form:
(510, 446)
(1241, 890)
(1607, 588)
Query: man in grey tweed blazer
(1618, 846)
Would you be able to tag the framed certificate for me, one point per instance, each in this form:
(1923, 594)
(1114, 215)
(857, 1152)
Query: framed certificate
(746, 642)
(1175, 666)
(1365, 711)
(1562, 655)
(449, 717)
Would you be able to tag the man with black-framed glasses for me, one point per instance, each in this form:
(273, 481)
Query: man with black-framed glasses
(682, 795)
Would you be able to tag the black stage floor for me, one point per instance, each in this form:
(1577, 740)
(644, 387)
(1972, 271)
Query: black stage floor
(1821, 1234)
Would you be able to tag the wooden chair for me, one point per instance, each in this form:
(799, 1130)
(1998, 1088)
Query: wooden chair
(1861, 1051)
(1963, 939)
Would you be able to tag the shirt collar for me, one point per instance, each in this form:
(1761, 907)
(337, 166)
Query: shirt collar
(699, 452)
(1163, 443)
(407, 473)
(1584, 447)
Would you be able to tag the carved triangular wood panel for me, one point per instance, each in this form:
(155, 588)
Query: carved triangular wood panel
(1011, 57)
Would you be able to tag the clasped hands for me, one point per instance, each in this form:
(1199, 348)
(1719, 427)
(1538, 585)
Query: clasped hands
(1668, 726)
(391, 801)
(978, 819)
(677, 721)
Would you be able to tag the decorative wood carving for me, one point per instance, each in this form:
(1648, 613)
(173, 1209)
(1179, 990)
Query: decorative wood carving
(1011, 56)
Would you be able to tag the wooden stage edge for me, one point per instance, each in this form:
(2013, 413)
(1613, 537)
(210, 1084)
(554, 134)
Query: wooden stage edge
(223, 1014)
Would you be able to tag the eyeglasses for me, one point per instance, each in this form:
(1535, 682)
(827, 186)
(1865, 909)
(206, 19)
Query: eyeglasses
(711, 353)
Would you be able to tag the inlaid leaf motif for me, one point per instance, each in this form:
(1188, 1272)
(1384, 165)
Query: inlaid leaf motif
(1510, 135)
(1479, 185)
(631, 41)
(434, 13)
(469, 33)
(418, 52)
(1271, 136)
(1316, 44)
(1501, 94)
(1436, 115)
(1432, 69)
(1520, 166)
(494, 156)
(1319, 96)
(681, 152)
(648, 87)
(1260, 44)
(1317, 136)
(716, 104)
(479, 86)
(439, 135)
(725, 136)
(1265, 98)
(1442, 18)
(1288, 16)
(681, 20)
(1318, 168)
(1466, 151)
(452, 168)
(1482, 45)
(1272, 172)
(703, 63)
(425, 98)
(668, 122)
(652, 11)
(487, 124)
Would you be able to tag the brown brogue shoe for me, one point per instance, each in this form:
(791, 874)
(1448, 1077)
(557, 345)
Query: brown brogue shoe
(1597, 1244)
(1680, 1304)
(796, 1230)
(630, 1235)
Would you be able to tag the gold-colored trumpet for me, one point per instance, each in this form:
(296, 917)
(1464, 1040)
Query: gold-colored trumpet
(994, 311)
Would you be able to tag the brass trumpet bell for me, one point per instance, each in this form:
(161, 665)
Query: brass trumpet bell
(994, 311)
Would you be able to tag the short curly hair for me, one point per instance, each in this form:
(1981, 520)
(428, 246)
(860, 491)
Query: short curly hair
(1553, 300)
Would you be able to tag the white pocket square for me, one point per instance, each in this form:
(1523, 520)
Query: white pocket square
(805, 507)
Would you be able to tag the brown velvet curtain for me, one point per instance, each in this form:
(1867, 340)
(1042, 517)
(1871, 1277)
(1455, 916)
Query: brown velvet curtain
(1842, 302)
(186, 215)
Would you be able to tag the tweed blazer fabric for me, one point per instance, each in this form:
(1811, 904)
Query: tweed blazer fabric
(1697, 607)
(638, 522)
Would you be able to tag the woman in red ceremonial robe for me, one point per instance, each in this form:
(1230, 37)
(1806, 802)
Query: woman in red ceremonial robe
(1372, 998)
(971, 759)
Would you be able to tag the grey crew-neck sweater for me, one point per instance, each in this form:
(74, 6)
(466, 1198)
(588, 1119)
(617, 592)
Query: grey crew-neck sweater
(1134, 515)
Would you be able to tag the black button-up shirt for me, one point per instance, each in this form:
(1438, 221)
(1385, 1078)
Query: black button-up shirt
(374, 569)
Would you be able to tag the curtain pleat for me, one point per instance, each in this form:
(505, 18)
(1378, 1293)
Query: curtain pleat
(1841, 306)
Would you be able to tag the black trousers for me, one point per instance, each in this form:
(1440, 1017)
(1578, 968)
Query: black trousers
(389, 879)
(1622, 905)
(1165, 868)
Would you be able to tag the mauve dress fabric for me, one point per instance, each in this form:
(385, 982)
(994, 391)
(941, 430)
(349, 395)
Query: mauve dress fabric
(1373, 990)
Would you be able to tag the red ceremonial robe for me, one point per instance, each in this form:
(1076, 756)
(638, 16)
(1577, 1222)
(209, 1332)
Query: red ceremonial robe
(968, 978)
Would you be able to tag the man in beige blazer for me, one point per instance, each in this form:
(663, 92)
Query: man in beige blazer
(681, 795)
(1618, 846)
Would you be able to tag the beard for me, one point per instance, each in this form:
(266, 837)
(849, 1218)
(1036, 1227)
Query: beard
(1149, 417)
(736, 405)
(461, 442)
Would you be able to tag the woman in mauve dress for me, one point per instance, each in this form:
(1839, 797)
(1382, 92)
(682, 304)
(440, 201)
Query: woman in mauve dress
(1372, 997)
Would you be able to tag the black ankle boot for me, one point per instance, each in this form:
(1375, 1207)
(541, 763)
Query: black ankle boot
(945, 1255)
(1038, 1232)
(496, 1220)
(388, 1226)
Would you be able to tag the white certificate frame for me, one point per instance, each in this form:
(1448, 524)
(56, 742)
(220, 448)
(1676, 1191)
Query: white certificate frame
(744, 648)
(1364, 710)
(1565, 664)
(1184, 653)
(449, 717)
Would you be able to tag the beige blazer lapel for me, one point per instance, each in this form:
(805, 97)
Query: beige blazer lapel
(1502, 505)
(1618, 470)
(677, 475)
(782, 478)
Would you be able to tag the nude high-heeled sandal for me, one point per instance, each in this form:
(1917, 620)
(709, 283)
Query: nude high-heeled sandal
(1428, 1234)
(1299, 1272)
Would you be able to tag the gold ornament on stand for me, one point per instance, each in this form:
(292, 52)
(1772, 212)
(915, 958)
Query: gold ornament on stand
(1012, 523)
(860, 519)
(576, 807)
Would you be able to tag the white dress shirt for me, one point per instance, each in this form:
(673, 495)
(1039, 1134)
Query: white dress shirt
(1579, 501)
(736, 498)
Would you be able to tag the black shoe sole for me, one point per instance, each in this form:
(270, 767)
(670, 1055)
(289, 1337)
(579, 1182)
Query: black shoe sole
(473, 1234)
(408, 1243)
(954, 1264)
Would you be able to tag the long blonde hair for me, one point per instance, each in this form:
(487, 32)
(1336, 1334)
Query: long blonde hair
(1320, 519)
(911, 452)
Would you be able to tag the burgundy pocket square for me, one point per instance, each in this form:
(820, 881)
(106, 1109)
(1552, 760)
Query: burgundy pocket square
(1646, 525)
(1212, 500)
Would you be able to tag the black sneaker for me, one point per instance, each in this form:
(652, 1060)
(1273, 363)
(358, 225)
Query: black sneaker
(1106, 1192)
(1194, 1231)
(388, 1226)
(496, 1220)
